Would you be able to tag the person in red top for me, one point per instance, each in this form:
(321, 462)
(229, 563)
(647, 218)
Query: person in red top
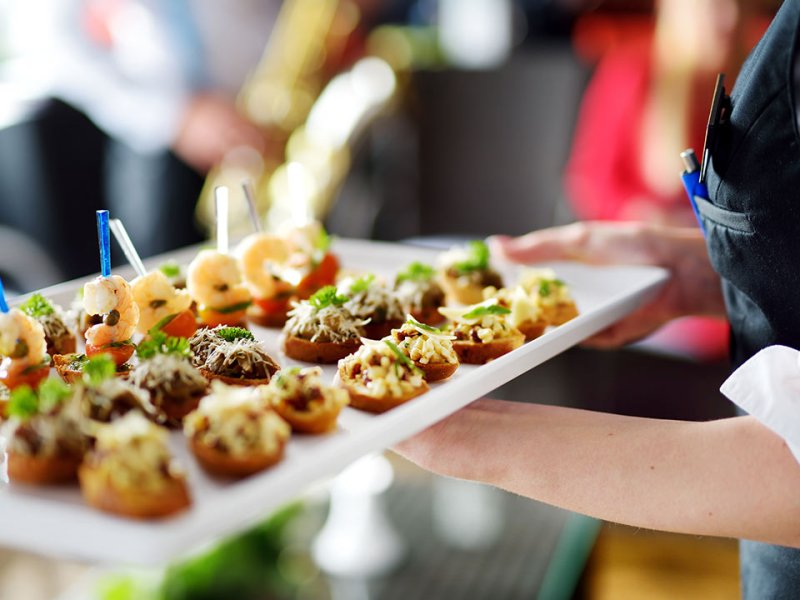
(646, 103)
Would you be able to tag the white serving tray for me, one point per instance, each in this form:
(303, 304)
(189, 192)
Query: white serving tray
(55, 521)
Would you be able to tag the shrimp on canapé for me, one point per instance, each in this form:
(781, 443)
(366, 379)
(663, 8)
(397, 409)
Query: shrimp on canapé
(22, 343)
(261, 258)
(112, 298)
(214, 281)
(158, 299)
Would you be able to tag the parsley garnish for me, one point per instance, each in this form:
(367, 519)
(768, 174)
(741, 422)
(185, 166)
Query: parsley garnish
(159, 342)
(327, 296)
(361, 284)
(226, 310)
(170, 269)
(99, 368)
(482, 311)
(23, 403)
(52, 392)
(37, 306)
(231, 334)
(401, 356)
(423, 326)
(416, 271)
(545, 286)
(323, 241)
(477, 258)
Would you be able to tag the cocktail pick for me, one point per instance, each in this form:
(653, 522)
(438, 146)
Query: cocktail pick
(3, 304)
(250, 196)
(104, 239)
(221, 205)
(124, 240)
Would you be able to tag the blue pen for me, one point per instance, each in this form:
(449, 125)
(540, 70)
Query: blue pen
(691, 182)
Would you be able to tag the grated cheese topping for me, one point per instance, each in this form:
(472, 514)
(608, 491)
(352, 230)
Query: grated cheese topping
(376, 302)
(55, 433)
(304, 391)
(132, 453)
(234, 420)
(545, 287)
(423, 346)
(242, 358)
(168, 377)
(329, 324)
(415, 295)
(524, 307)
(374, 370)
(116, 397)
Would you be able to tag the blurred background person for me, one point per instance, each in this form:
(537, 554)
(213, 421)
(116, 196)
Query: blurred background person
(647, 101)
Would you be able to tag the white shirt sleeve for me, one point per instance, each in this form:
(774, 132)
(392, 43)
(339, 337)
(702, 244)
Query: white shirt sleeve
(768, 387)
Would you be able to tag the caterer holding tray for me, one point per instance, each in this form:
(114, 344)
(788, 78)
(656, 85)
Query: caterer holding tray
(736, 477)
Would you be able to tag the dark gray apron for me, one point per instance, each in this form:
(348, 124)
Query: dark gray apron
(753, 236)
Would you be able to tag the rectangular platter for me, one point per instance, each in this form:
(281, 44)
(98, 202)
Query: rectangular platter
(55, 521)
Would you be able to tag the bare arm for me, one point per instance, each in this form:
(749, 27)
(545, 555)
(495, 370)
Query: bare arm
(731, 477)
(694, 288)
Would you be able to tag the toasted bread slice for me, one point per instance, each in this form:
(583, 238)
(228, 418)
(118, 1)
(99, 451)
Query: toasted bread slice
(313, 422)
(26, 468)
(461, 293)
(429, 315)
(318, 352)
(225, 464)
(532, 329)
(244, 381)
(267, 319)
(380, 329)
(478, 353)
(374, 404)
(436, 371)
(560, 313)
(172, 498)
(62, 364)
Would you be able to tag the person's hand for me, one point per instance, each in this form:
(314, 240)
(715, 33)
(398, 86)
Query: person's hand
(212, 126)
(693, 289)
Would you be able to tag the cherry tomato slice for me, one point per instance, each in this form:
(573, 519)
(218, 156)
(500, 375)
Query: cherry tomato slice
(184, 324)
(323, 274)
(14, 373)
(273, 306)
(212, 318)
(120, 354)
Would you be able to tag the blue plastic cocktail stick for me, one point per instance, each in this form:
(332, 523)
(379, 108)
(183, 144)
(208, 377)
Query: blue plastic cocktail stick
(105, 242)
(3, 303)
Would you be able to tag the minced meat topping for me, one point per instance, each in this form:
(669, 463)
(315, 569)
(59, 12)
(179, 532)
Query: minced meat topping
(169, 378)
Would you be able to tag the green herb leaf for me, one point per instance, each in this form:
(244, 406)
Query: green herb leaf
(416, 271)
(23, 403)
(37, 306)
(482, 311)
(159, 342)
(323, 241)
(327, 296)
(362, 283)
(423, 326)
(121, 344)
(226, 310)
(52, 392)
(401, 356)
(162, 323)
(477, 259)
(170, 269)
(231, 334)
(99, 368)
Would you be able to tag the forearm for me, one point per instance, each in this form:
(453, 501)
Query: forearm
(728, 478)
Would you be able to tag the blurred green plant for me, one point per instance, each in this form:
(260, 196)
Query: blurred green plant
(244, 567)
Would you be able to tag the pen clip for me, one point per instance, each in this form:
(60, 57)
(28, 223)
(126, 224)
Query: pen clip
(720, 107)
